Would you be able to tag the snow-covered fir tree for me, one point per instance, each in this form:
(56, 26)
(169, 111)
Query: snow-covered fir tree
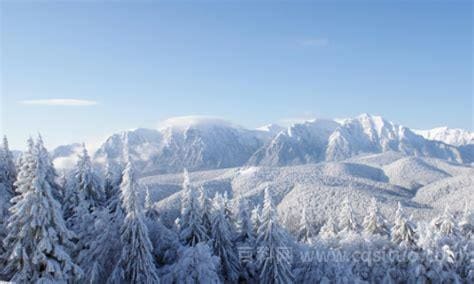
(274, 256)
(329, 229)
(7, 180)
(51, 174)
(71, 199)
(347, 221)
(98, 258)
(206, 212)
(38, 241)
(136, 263)
(255, 218)
(112, 180)
(245, 241)
(466, 224)
(150, 212)
(403, 231)
(7, 170)
(191, 227)
(445, 224)
(195, 265)
(374, 223)
(222, 243)
(245, 231)
(228, 211)
(87, 182)
(304, 229)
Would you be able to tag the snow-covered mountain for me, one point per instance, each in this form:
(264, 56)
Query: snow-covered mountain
(323, 140)
(203, 143)
(301, 143)
(452, 136)
(373, 134)
(195, 143)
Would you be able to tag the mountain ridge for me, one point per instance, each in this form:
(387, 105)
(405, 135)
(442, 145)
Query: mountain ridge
(204, 143)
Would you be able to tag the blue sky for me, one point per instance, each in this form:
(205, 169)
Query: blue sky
(250, 62)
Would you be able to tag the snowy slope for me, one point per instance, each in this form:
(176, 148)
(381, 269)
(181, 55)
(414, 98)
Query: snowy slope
(413, 173)
(323, 186)
(452, 136)
(453, 192)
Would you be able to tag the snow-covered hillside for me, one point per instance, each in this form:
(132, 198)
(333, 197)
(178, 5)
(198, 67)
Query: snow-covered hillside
(416, 182)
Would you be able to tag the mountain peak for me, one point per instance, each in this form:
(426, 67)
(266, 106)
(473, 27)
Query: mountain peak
(271, 128)
(453, 136)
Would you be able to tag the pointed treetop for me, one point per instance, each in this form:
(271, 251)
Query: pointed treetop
(148, 202)
(128, 188)
(5, 143)
(186, 181)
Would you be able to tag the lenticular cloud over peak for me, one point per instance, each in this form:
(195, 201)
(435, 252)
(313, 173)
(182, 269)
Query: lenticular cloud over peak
(183, 122)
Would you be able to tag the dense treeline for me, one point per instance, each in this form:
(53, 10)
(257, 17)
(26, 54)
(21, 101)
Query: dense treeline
(81, 228)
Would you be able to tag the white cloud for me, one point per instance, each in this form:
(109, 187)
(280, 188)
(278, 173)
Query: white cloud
(315, 42)
(194, 120)
(293, 120)
(59, 102)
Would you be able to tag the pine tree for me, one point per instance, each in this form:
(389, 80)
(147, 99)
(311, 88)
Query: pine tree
(403, 231)
(329, 229)
(113, 179)
(222, 241)
(7, 169)
(228, 212)
(150, 212)
(136, 263)
(445, 224)
(246, 241)
(274, 254)
(98, 258)
(87, 182)
(304, 229)
(195, 265)
(51, 174)
(206, 210)
(70, 201)
(465, 224)
(38, 240)
(374, 223)
(255, 218)
(347, 222)
(7, 180)
(245, 233)
(191, 228)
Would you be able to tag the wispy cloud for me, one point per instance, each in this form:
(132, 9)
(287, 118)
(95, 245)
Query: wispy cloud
(59, 102)
(314, 42)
